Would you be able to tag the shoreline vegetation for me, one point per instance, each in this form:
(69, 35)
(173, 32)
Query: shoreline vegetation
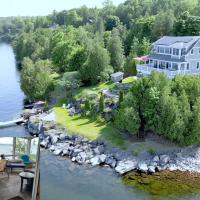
(157, 181)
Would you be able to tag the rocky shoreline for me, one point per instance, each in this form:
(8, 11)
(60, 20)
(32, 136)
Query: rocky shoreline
(83, 151)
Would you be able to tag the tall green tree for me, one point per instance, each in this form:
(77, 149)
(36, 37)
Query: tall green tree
(36, 79)
(116, 50)
(97, 63)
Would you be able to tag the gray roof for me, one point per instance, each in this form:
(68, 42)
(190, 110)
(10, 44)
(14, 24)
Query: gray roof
(169, 40)
(117, 74)
(165, 58)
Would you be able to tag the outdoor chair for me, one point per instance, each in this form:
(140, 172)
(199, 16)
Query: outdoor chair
(26, 160)
(3, 168)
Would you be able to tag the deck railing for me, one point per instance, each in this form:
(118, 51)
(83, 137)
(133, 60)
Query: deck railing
(147, 69)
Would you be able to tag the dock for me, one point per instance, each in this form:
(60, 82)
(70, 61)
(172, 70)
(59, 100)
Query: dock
(12, 123)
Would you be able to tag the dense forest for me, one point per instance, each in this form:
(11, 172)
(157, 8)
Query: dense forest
(82, 47)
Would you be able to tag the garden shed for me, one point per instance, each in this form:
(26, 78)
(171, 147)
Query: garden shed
(117, 77)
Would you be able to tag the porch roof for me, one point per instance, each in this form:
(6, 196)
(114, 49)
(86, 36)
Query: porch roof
(163, 57)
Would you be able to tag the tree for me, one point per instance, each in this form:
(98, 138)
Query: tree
(36, 79)
(163, 25)
(87, 105)
(101, 103)
(121, 97)
(112, 22)
(130, 65)
(187, 24)
(116, 50)
(97, 63)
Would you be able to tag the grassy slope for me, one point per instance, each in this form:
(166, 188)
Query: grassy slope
(90, 129)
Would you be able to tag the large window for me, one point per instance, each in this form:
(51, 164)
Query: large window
(176, 52)
(174, 66)
(168, 50)
(161, 50)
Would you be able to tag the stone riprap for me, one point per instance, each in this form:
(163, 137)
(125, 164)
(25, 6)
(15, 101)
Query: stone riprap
(83, 151)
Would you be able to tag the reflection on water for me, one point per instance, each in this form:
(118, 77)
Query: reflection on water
(62, 179)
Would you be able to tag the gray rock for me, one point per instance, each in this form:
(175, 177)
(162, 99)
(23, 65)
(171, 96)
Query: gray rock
(73, 159)
(151, 169)
(143, 167)
(45, 142)
(83, 156)
(172, 167)
(95, 161)
(54, 139)
(164, 159)
(51, 148)
(111, 162)
(57, 151)
(63, 136)
(156, 159)
(125, 166)
(99, 150)
(102, 158)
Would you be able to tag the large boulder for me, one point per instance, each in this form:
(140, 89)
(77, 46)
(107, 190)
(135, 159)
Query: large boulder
(143, 167)
(54, 139)
(102, 158)
(45, 142)
(164, 159)
(151, 169)
(99, 150)
(111, 162)
(125, 166)
(95, 161)
(57, 151)
(156, 159)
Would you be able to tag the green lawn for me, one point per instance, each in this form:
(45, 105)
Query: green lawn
(93, 90)
(129, 80)
(88, 128)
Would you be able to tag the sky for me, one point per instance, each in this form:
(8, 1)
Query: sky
(44, 7)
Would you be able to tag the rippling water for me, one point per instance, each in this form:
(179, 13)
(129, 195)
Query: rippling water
(62, 179)
(11, 96)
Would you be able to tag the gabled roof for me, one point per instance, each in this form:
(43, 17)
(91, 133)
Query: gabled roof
(170, 40)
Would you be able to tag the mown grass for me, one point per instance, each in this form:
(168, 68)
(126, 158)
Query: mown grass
(93, 90)
(91, 129)
(129, 80)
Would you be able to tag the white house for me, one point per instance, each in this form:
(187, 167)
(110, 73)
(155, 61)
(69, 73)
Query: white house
(173, 56)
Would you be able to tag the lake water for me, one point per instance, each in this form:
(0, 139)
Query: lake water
(11, 95)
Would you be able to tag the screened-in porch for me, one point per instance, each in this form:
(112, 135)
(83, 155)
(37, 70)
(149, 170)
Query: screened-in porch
(19, 168)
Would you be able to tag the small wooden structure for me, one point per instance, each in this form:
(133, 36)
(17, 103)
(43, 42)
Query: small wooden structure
(117, 77)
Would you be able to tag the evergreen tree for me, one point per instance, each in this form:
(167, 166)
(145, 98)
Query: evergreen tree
(101, 103)
(116, 50)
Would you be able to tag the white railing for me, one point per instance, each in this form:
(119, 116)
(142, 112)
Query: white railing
(147, 69)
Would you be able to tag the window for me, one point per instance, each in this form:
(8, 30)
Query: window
(161, 49)
(176, 52)
(174, 66)
(188, 66)
(192, 51)
(182, 66)
(167, 50)
(197, 65)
